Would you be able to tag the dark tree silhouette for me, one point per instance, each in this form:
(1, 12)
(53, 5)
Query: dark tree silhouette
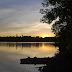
(58, 8)
(61, 9)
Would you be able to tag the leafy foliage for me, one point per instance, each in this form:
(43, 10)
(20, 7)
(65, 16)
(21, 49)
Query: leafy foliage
(58, 8)
(63, 29)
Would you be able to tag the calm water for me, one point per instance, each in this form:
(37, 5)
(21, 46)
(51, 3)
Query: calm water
(11, 53)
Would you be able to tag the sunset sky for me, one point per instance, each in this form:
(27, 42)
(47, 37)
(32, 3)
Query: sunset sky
(22, 17)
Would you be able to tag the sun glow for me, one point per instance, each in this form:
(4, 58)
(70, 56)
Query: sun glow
(45, 36)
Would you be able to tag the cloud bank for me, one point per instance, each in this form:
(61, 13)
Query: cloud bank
(20, 17)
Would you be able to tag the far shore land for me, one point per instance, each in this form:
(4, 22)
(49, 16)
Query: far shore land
(28, 39)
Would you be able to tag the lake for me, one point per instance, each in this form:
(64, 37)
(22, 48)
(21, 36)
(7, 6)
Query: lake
(12, 52)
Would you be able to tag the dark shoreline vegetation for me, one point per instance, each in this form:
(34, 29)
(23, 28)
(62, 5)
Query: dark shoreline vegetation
(62, 10)
(28, 39)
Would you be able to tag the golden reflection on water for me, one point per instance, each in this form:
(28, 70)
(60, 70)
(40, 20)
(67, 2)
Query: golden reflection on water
(32, 49)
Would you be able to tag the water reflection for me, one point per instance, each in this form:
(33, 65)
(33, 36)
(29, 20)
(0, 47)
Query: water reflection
(12, 52)
(21, 44)
(26, 44)
(39, 49)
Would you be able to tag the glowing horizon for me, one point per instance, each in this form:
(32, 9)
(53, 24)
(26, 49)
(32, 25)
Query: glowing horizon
(23, 18)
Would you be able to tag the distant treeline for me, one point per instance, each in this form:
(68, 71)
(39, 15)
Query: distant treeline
(28, 39)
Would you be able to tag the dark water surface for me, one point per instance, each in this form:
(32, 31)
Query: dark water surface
(12, 52)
